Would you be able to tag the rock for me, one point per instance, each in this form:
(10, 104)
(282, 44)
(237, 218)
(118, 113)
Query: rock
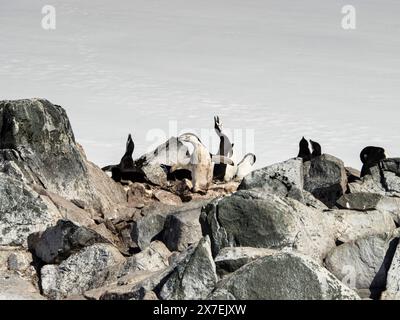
(169, 153)
(82, 271)
(153, 258)
(15, 259)
(194, 277)
(22, 212)
(57, 243)
(191, 275)
(139, 194)
(229, 259)
(325, 177)
(270, 222)
(284, 179)
(367, 184)
(19, 261)
(15, 287)
(352, 225)
(352, 174)
(393, 278)
(363, 264)
(37, 137)
(182, 228)
(371, 201)
(67, 209)
(149, 227)
(282, 276)
(167, 198)
(311, 201)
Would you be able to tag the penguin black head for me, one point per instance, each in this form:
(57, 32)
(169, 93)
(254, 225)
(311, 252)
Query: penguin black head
(372, 155)
(316, 148)
(304, 151)
(130, 146)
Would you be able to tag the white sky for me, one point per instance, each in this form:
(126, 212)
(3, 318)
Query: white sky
(281, 68)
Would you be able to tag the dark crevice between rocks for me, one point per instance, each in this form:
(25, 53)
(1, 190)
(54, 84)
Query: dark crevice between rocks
(378, 284)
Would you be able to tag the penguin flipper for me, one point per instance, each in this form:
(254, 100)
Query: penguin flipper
(110, 167)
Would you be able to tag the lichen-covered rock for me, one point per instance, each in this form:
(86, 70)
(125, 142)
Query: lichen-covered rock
(325, 177)
(282, 276)
(22, 212)
(82, 271)
(37, 137)
(262, 220)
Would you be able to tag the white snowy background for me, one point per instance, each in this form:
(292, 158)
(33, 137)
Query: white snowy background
(281, 68)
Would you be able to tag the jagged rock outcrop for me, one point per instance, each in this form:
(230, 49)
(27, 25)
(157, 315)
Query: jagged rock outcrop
(271, 222)
(36, 136)
(282, 276)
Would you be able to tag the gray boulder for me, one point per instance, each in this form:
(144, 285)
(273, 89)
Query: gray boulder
(352, 225)
(37, 137)
(22, 212)
(182, 228)
(282, 276)
(194, 277)
(283, 179)
(57, 243)
(150, 226)
(325, 177)
(363, 264)
(371, 201)
(270, 222)
(82, 271)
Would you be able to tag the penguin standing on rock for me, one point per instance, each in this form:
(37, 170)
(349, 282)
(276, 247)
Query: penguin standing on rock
(304, 151)
(316, 149)
(221, 171)
(371, 156)
(126, 170)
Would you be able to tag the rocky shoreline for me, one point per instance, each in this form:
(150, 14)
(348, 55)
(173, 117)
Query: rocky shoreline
(291, 230)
